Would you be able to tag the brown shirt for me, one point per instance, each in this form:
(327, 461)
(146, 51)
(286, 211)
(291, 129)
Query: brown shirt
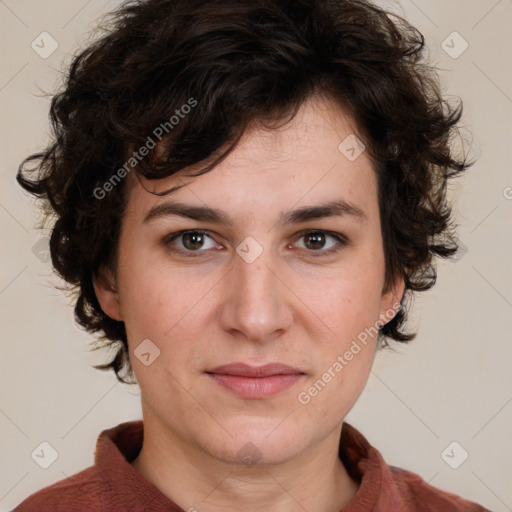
(112, 484)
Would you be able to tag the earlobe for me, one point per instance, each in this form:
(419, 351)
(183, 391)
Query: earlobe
(107, 294)
(391, 301)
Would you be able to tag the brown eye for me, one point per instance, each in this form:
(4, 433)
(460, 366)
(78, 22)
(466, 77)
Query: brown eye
(194, 242)
(318, 242)
(314, 240)
(191, 241)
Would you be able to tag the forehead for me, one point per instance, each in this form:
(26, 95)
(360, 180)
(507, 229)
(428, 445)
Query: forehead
(303, 161)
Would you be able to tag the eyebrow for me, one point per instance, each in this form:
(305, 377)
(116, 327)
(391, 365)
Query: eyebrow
(337, 208)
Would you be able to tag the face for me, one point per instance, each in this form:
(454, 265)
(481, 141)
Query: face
(261, 285)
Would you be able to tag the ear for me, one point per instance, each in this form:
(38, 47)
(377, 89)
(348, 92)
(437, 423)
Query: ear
(105, 287)
(391, 300)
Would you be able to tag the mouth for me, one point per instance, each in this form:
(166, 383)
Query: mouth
(255, 381)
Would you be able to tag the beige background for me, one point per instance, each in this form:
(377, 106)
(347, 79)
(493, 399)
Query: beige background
(453, 383)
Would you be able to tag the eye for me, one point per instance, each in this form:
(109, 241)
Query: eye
(315, 241)
(193, 241)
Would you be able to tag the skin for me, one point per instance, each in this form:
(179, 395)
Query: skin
(287, 306)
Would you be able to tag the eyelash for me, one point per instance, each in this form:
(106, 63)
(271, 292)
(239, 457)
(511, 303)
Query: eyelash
(342, 242)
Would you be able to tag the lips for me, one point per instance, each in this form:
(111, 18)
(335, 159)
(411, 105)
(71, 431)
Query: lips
(244, 370)
(255, 381)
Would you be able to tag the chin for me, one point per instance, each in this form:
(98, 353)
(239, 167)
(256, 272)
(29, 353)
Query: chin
(255, 454)
(256, 442)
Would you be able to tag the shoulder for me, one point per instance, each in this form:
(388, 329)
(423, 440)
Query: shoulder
(78, 492)
(421, 496)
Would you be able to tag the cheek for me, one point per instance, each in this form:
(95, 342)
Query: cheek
(346, 300)
(170, 307)
(348, 303)
(345, 359)
(152, 293)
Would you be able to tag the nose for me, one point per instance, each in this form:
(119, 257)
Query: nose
(257, 301)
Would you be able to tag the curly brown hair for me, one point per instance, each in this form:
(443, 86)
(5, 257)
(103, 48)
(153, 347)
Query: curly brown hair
(241, 61)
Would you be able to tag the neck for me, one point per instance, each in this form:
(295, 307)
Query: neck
(196, 481)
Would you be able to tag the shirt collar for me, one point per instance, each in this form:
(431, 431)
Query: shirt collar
(126, 489)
